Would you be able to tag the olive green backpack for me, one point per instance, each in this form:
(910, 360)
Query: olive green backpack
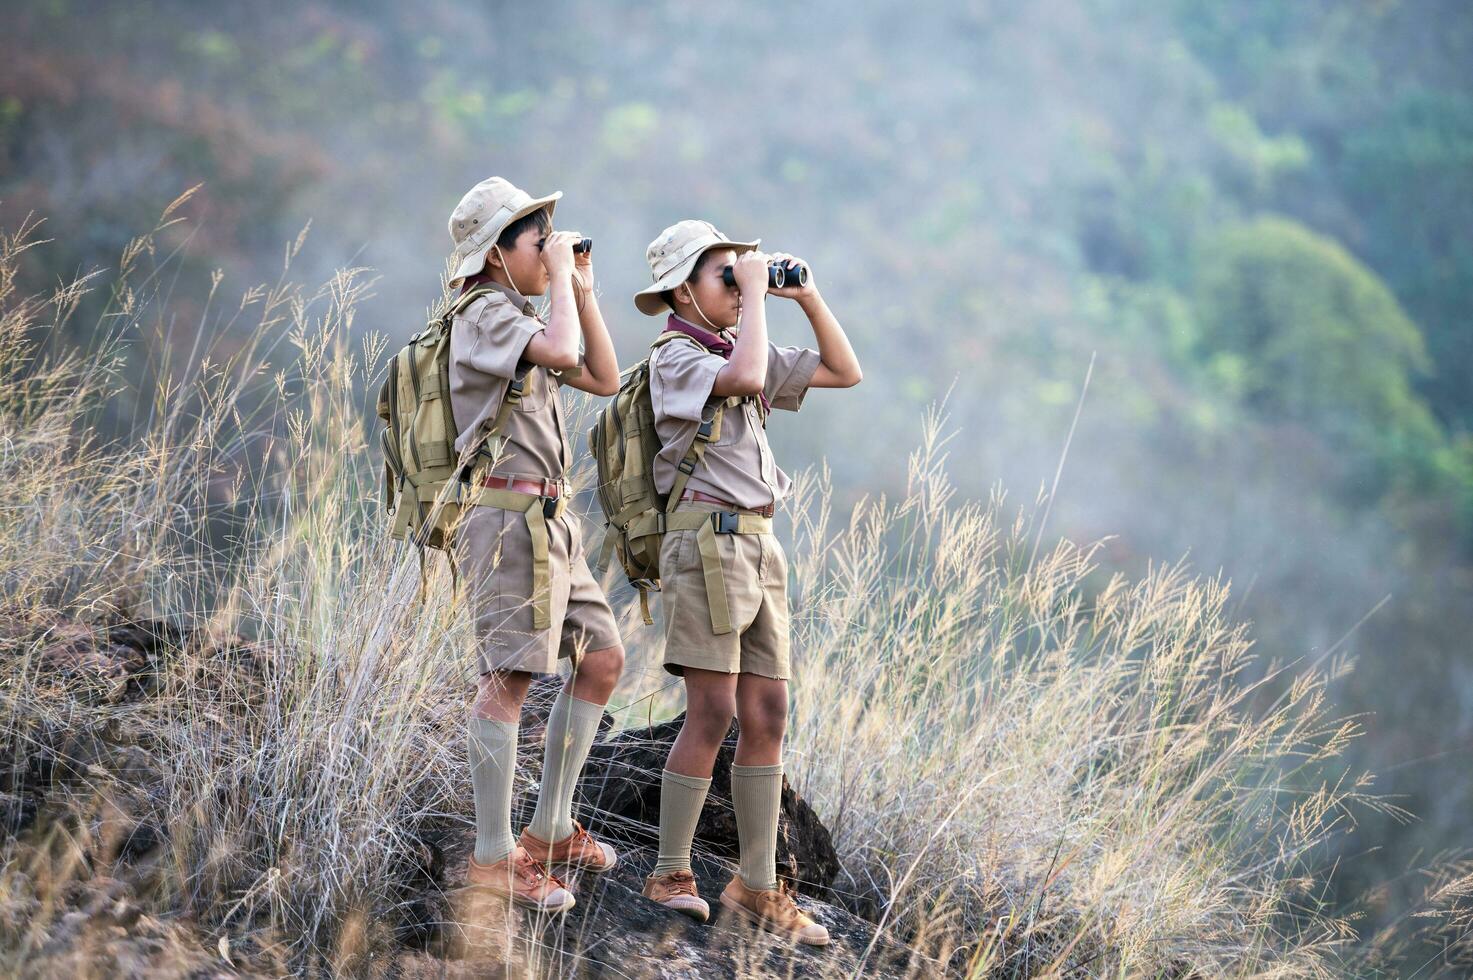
(424, 486)
(624, 445)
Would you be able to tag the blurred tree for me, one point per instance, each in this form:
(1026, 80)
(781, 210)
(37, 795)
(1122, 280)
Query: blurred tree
(1312, 335)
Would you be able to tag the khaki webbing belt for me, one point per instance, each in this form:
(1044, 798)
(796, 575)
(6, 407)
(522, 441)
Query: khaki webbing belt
(536, 511)
(708, 524)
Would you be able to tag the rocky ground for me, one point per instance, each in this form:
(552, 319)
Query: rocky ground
(103, 916)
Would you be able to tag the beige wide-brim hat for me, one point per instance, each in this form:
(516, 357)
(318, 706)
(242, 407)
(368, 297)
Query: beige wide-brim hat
(481, 216)
(674, 253)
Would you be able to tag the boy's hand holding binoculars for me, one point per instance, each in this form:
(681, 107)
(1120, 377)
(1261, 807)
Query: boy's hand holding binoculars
(557, 252)
(794, 286)
(582, 265)
(750, 273)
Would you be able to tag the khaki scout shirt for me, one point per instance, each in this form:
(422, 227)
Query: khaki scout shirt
(487, 340)
(738, 466)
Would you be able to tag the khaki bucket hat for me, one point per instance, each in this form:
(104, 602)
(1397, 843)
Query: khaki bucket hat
(483, 214)
(674, 253)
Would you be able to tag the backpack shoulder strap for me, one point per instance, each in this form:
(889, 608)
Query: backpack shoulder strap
(670, 335)
(706, 432)
(463, 301)
(516, 386)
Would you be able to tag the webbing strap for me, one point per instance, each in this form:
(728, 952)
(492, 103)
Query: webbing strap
(514, 391)
(408, 504)
(707, 525)
(706, 432)
(423, 578)
(611, 542)
(715, 580)
(534, 511)
(541, 574)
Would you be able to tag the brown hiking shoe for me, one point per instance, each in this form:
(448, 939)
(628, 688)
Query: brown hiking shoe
(577, 850)
(775, 911)
(521, 878)
(677, 890)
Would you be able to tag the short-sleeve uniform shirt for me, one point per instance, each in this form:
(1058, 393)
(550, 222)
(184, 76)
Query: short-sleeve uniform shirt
(486, 345)
(738, 466)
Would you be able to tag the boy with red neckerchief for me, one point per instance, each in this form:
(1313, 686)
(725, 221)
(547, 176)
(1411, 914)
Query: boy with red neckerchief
(724, 585)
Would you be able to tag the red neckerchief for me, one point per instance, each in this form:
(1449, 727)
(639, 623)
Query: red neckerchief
(711, 342)
(482, 278)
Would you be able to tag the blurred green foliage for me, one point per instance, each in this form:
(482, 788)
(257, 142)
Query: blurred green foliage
(1300, 330)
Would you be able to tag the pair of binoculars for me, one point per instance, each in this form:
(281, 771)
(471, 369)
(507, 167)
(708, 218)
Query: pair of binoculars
(778, 275)
(581, 245)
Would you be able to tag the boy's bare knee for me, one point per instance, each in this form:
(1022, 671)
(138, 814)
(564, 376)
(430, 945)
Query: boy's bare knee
(709, 719)
(763, 711)
(604, 666)
(501, 691)
(765, 727)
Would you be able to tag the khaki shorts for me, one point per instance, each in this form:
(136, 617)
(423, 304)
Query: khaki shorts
(493, 549)
(756, 574)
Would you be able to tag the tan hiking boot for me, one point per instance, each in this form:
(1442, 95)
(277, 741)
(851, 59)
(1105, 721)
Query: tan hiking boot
(522, 878)
(577, 850)
(676, 890)
(775, 911)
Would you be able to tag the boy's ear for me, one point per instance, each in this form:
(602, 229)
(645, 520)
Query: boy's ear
(494, 259)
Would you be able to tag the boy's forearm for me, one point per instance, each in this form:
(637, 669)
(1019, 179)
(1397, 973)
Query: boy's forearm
(750, 352)
(834, 349)
(562, 320)
(598, 346)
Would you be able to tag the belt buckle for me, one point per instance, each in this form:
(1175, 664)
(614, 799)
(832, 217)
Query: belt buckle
(726, 521)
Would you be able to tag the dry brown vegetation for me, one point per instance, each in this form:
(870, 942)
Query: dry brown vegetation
(1028, 771)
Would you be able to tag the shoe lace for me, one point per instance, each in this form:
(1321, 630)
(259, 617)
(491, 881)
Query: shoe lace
(783, 898)
(532, 871)
(681, 882)
(581, 837)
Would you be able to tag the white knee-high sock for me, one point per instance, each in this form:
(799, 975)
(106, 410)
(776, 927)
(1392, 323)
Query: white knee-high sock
(571, 727)
(681, 799)
(756, 795)
(493, 753)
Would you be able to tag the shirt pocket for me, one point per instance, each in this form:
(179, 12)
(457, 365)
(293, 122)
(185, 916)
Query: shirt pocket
(535, 391)
(734, 421)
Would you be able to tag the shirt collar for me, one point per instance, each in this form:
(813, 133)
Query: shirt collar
(723, 336)
(521, 301)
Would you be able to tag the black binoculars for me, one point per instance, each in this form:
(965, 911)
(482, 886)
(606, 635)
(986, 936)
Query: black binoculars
(581, 245)
(778, 275)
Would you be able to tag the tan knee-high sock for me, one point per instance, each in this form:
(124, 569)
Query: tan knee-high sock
(571, 727)
(756, 795)
(493, 752)
(681, 799)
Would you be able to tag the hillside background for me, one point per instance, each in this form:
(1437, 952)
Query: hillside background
(1256, 218)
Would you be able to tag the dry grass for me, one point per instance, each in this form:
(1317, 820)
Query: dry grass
(1031, 771)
